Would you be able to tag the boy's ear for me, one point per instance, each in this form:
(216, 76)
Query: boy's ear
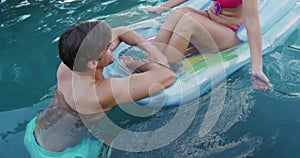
(92, 64)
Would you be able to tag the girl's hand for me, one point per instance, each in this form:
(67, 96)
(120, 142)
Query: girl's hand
(260, 81)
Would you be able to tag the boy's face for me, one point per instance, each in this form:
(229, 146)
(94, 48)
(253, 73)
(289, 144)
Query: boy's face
(106, 56)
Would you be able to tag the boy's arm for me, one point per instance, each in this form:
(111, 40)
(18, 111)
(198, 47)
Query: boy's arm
(124, 34)
(152, 79)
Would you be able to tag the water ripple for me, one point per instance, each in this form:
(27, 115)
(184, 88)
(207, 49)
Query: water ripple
(16, 20)
(108, 2)
(283, 68)
(22, 4)
(17, 70)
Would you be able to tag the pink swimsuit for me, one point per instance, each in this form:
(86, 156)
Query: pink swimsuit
(229, 3)
(220, 4)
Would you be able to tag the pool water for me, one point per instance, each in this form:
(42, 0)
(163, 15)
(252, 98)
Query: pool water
(251, 124)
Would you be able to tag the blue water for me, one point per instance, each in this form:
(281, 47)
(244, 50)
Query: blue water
(251, 124)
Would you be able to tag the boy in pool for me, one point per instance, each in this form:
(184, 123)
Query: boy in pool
(82, 92)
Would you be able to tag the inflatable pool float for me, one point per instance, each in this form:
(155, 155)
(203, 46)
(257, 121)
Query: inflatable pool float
(199, 73)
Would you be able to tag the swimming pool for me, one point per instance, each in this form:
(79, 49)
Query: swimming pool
(251, 124)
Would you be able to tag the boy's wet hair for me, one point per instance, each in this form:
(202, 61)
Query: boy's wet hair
(82, 43)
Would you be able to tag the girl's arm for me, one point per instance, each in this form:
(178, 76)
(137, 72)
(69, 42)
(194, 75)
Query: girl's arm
(259, 79)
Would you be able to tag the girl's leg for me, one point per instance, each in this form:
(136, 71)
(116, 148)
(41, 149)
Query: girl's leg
(202, 32)
(168, 27)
